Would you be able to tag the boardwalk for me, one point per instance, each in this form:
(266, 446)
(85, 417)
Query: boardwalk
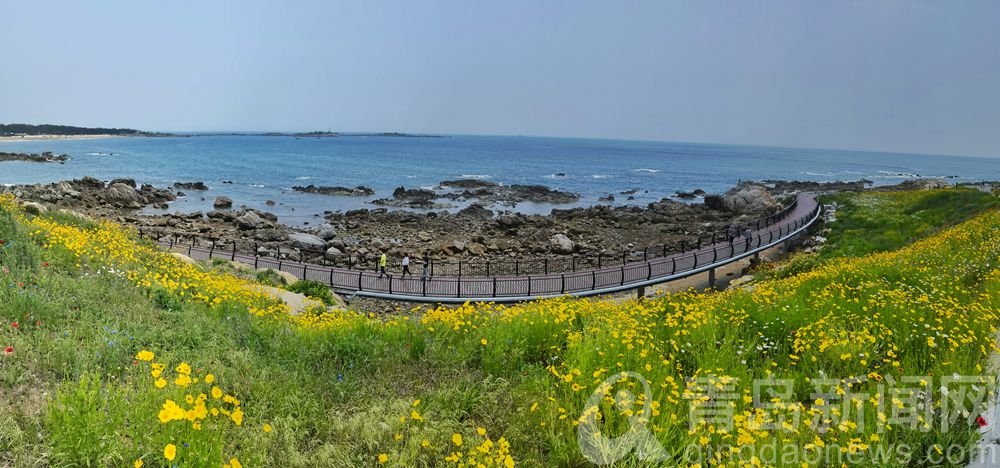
(513, 288)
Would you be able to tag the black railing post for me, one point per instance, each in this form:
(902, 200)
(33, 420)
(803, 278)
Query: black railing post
(423, 286)
(211, 250)
(673, 265)
(331, 277)
(713, 237)
(715, 254)
(390, 284)
(649, 271)
(562, 286)
(683, 246)
(599, 257)
(593, 280)
(574, 263)
(623, 275)
(624, 257)
(545, 266)
(517, 267)
(645, 254)
(529, 285)
(233, 258)
(487, 268)
(664, 250)
(699, 241)
(459, 268)
(304, 267)
(359, 280)
(494, 286)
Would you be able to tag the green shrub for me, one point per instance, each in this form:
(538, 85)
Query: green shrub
(315, 290)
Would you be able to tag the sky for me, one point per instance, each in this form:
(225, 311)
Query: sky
(908, 76)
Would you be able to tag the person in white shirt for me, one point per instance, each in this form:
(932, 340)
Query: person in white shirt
(406, 265)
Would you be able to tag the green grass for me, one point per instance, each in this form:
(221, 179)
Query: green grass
(70, 394)
(872, 222)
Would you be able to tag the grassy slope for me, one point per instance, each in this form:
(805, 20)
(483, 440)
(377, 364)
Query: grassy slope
(335, 397)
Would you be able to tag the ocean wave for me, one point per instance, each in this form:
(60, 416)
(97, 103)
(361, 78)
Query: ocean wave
(257, 185)
(100, 154)
(600, 176)
(305, 177)
(651, 171)
(821, 174)
(476, 176)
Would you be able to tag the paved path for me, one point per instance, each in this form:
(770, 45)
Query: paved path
(515, 288)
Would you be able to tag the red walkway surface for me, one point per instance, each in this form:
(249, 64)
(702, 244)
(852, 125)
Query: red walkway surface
(510, 288)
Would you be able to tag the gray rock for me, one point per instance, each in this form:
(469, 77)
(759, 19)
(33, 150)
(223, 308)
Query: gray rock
(34, 208)
(304, 241)
(223, 202)
(249, 220)
(326, 232)
(122, 195)
(332, 253)
(455, 247)
(561, 244)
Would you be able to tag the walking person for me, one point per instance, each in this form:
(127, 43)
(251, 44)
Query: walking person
(748, 236)
(427, 266)
(406, 265)
(731, 233)
(382, 260)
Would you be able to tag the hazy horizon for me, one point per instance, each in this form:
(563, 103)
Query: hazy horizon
(904, 77)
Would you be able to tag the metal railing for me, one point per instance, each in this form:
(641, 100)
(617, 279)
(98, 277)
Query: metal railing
(509, 288)
(459, 268)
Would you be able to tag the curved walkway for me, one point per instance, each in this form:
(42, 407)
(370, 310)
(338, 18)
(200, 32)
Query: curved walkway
(510, 288)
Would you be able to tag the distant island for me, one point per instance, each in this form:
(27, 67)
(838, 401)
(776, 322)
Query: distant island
(19, 130)
(330, 134)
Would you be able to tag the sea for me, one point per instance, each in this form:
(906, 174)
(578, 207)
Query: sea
(252, 169)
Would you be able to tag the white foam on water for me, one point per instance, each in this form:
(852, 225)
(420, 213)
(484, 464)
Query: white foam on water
(600, 176)
(555, 176)
(477, 176)
(651, 171)
(100, 154)
(822, 174)
(305, 177)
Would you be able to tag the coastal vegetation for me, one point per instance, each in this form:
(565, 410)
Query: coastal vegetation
(118, 354)
(14, 129)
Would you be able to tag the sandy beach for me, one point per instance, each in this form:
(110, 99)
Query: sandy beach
(55, 137)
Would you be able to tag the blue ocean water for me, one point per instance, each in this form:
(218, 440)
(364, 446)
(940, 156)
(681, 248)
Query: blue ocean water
(266, 167)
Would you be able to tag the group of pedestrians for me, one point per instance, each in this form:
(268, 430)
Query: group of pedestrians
(383, 261)
(733, 233)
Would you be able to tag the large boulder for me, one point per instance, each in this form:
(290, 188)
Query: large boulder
(455, 247)
(304, 241)
(750, 198)
(122, 195)
(249, 220)
(561, 244)
(223, 202)
(326, 232)
(34, 208)
(332, 253)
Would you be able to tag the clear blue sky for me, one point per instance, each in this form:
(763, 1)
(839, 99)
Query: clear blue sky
(912, 76)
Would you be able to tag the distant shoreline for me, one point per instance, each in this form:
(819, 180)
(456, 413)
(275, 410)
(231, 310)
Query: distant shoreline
(56, 137)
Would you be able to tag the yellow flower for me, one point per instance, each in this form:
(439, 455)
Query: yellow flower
(237, 416)
(216, 393)
(456, 439)
(183, 368)
(416, 403)
(209, 378)
(160, 383)
(267, 428)
(382, 458)
(138, 464)
(481, 430)
(426, 443)
(482, 341)
(144, 356)
(170, 452)
(235, 463)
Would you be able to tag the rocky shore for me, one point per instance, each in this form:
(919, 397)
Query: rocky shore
(475, 232)
(45, 157)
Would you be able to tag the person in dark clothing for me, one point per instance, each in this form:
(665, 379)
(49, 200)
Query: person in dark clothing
(731, 233)
(427, 266)
(748, 236)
